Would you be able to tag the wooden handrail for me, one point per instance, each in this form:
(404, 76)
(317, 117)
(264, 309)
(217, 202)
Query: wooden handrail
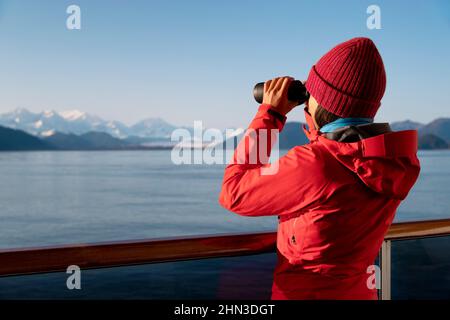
(124, 253)
(418, 229)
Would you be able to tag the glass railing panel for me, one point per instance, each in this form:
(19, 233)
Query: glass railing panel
(243, 277)
(420, 268)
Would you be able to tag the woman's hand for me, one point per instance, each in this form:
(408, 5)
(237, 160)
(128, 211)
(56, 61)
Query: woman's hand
(276, 94)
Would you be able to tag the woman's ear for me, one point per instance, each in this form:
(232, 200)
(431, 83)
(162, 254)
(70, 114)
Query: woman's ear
(312, 107)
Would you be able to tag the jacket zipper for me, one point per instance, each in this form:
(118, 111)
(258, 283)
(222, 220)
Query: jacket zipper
(293, 230)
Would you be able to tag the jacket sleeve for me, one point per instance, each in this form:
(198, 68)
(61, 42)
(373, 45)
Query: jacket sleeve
(256, 188)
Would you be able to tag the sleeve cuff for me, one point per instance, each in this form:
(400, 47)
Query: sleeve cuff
(267, 108)
(277, 115)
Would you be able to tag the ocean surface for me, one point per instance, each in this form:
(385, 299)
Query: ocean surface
(73, 197)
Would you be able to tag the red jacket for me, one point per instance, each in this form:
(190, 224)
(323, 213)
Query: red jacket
(334, 200)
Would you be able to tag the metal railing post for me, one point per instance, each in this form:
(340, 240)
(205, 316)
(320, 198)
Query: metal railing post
(385, 261)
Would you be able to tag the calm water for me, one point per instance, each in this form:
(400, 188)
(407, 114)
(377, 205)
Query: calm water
(65, 197)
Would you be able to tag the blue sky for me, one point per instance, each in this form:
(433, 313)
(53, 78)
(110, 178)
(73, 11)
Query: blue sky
(198, 60)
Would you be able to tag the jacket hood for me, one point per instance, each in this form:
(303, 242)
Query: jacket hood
(384, 160)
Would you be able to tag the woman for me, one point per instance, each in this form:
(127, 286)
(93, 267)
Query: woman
(336, 196)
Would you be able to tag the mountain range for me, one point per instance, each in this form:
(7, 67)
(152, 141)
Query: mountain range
(75, 130)
(12, 139)
(46, 123)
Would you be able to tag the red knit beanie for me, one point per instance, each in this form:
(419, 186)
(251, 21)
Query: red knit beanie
(349, 81)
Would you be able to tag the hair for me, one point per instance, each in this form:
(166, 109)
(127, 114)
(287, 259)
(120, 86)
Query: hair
(322, 116)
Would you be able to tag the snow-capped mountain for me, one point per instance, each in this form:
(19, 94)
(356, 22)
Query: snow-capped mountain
(153, 127)
(48, 122)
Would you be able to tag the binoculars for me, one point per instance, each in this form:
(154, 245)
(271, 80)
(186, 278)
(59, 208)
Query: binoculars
(296, 92)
